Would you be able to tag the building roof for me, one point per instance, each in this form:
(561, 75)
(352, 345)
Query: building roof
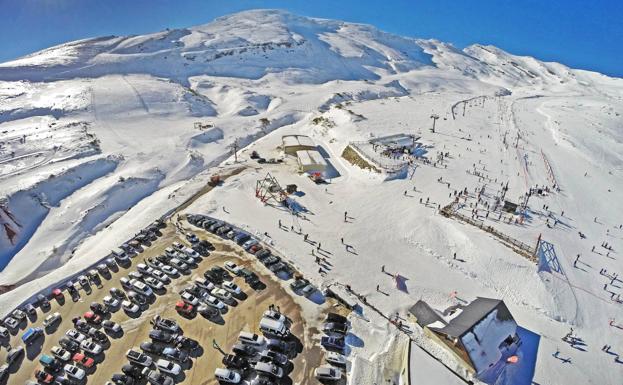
(397, 140)
(310, 158)
(474, 313)
(297, 140)
(425, 314)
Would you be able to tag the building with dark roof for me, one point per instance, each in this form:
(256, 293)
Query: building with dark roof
(480, 334)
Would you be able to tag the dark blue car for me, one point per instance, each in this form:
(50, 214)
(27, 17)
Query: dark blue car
(332, 343)
(241, 238)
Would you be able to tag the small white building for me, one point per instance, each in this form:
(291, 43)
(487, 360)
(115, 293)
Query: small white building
(294, 143)
(310, 161)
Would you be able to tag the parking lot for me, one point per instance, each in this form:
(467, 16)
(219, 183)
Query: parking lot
(223, 331)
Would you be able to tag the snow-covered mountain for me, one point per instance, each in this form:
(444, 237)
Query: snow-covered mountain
(98, 137)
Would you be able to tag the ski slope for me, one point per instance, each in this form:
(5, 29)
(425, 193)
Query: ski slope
(98, 139)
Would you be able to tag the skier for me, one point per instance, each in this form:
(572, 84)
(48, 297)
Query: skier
(342, 240)
(345, 215)
(454, 256)
(279, 223)
(305, 237)
(318, 247)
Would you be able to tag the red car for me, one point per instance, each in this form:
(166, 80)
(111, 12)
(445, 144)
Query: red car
(83, 360)
(57, 293)
(255, 248)
(184, 308)
(92, 318)
(43, 377)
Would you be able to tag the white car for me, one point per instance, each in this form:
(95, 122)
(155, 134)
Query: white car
(160, 276)
(143, 268)
(209, 300)
(112, 303)
(221, 294)
(168, 367)
(204, 283)
(227, 375)
(75, 335)
(190, 299)
(231, 266)
(191, 253)
(335, 358)
(169, 270)
(141, 287)
(273, 314)
(154, 283)
(51, 319)
(251, 338)
(179, 264)
(231, 287)
(74, 372)
(91, 347)
(60, 353)
(328, 373)
(129, 306)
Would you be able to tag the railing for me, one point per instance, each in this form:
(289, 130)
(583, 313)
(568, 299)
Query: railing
(516, 245)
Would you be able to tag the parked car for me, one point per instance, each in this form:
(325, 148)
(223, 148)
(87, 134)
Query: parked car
(154, 283)
(130, 307)
(43, 377)
(251, 338)
(184, 308)
(189, 298)
(204, 283)
(334, 317)
(161, 276)
(31, 335)
(151, 348)
(207, 311)
(91, 347)
(175, 354)
(162, 336)
(212, 301)
(186, 343)
(111, 326)
(234, 361)
(103, 269)
(328, 373)
(335, 358)
(141, 287)
(332, 343)
(213, 277)
(122, 379)
(192, 238)
(136, 298)
(75, 335)
(221, 294)
(92, 318)
(50, 363)
(168, 367)
(42, 301)
(74, 372)
(331, 328)
(82, 360)
(61, 353)
(269, 369)
(227, 375)
(111, 302)
(51, 319)
(274, 357)
(233, 267)
(181, 266)
(138, 358)
(155, 378)
(232, 288)
(98, 308)
(69, 344)
(97, 335)
(165, 324)
(117, 293)
(241, 237)
(136, 372)
(244, 350)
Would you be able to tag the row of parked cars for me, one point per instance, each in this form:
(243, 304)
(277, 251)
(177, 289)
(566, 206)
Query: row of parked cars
(262, 360)
(244, 239)
(159, 360)
(335, 329)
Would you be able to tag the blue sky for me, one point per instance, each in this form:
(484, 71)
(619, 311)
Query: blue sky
(581, 34)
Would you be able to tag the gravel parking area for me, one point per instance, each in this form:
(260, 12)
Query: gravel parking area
(224, 331)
